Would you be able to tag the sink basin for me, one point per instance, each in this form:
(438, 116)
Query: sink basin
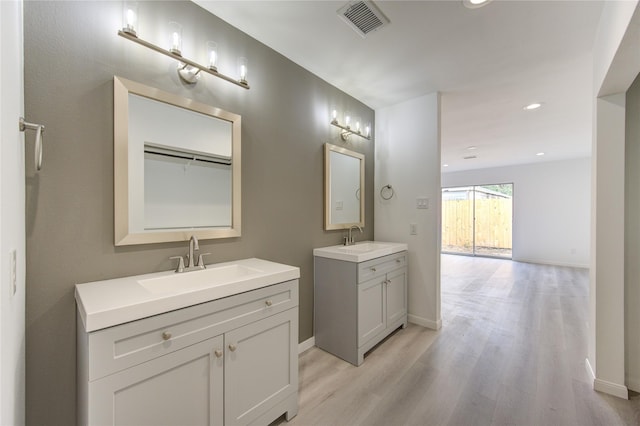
(361, 251)
(193, 280)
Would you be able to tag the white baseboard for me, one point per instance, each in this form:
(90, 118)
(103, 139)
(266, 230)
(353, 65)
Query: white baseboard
(424, 322)
(606, 387)
(552, 263)
(611, 388)
(306, 345)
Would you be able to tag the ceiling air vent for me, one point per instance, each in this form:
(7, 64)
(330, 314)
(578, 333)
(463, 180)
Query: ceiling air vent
(363, 16)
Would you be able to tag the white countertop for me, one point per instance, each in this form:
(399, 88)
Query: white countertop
(360, 251)
(107, 303)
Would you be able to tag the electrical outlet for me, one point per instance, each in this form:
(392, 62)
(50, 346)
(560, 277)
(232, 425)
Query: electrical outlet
(413, 229)
(12, 270)
(339, 205)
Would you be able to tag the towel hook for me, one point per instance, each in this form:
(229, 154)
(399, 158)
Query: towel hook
(39, 128)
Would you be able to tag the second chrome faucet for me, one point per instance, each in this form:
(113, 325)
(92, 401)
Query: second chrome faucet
(192, 264)
(349, 240)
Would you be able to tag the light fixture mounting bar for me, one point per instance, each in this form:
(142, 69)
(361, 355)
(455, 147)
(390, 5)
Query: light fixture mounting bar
(182, 59)
(348, 131)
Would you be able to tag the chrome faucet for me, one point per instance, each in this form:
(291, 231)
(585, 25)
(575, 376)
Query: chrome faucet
(193, 246)
(349, 240)
(193, 265)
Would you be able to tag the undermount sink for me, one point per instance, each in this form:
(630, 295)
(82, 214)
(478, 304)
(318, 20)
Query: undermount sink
(211, 277)
(361, 251)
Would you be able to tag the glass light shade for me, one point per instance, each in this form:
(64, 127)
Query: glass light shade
(347, 120)
(358, 124)
(242, 69)
(175, 31)
(130, 17)
(212, 55)
(367, 130)
(334, 115)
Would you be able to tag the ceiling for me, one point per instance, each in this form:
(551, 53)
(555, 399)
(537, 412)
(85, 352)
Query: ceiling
(488, 63)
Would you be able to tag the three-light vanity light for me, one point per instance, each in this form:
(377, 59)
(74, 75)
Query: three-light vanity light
(188, 70)
(347, 130)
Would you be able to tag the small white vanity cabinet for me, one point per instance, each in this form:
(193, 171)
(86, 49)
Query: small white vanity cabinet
(229, 361)
(357, 304)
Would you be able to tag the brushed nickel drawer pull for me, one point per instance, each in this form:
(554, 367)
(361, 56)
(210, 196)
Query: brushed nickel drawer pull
(373, 269)
(232, 347)
(166, 335)
(218, 353)
(268, 303)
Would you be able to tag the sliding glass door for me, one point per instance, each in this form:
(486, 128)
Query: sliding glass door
(477, 220)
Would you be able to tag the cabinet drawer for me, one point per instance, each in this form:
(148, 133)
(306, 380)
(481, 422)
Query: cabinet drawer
(380, 266)
(116, 348)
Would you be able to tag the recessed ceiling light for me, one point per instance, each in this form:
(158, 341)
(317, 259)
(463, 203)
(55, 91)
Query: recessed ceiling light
(472, 147)
(474, 4)
(469, 157)
(540, 154)
(445, 165)
(532, 106)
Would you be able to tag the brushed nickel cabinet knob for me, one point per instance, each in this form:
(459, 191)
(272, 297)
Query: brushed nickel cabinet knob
(232, 347)
(166, 335)
(218, 353)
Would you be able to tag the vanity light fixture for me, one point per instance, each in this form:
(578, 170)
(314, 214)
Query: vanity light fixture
(188, 70)
(346, 128)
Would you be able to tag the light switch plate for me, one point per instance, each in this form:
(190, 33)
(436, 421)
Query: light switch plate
(413, 229)
(422, 203)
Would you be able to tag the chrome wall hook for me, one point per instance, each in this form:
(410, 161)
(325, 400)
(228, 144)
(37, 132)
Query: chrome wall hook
(39, 128)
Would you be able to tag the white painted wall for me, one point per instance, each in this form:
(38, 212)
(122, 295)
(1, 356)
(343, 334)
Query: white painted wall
(551, 205)
(632, 238)
(408, 159)
(616, 63)
(12, 216)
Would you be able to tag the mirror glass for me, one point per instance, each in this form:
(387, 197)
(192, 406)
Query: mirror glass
(176, 167)
(343, 188)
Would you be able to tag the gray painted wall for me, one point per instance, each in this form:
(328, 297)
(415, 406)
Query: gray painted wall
(632, 238)
(72, 53)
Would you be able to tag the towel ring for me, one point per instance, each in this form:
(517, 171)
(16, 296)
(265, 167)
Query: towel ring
(388, 194)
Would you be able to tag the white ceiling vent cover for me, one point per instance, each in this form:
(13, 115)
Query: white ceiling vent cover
(363, 16)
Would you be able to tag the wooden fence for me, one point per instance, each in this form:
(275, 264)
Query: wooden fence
(493, 223)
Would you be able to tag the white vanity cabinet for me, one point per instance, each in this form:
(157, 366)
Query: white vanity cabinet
(231, 361)
(357, 304)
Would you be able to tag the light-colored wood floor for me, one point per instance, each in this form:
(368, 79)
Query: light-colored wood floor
(511, 352)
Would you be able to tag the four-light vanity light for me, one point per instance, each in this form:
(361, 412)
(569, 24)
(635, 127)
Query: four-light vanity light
(346, 128)
(188, 70)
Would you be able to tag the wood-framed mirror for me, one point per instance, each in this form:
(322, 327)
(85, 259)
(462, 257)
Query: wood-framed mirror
(177, 167)
(343, 188)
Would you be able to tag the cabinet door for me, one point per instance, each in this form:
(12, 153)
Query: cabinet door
(396, 295)
(371, 309)
(261, 366)
(181, 388)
